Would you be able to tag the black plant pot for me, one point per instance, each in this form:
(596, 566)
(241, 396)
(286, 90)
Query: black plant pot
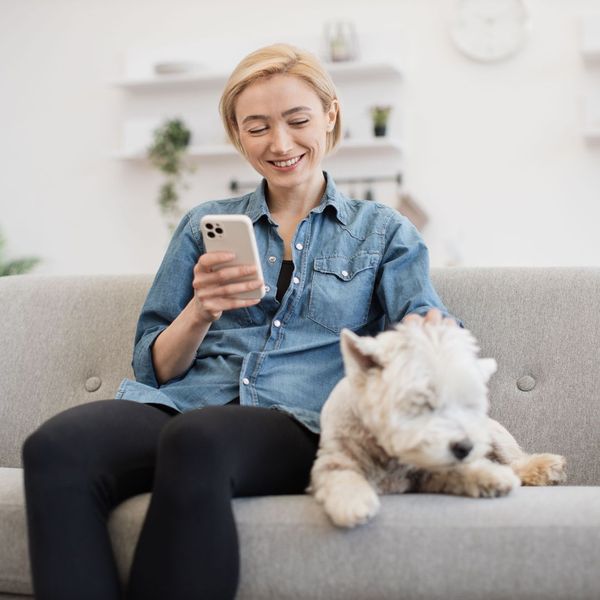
(379, 130)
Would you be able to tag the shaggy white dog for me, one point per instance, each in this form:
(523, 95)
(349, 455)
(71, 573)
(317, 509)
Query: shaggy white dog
(411, 416)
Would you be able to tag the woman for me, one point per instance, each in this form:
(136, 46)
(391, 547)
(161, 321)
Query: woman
(329, 262)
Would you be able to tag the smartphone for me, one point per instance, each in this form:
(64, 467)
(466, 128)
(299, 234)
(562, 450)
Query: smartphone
(234, 233)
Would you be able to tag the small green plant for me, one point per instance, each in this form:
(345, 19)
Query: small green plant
(167, 153)
(380, 115)
(15, 267)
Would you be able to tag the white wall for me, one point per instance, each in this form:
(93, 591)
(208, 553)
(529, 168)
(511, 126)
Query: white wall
(494, 153)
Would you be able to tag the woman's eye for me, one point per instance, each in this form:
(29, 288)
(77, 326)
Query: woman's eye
(299, 122)
(257, 130)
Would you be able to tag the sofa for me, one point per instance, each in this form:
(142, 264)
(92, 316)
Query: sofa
(66, 340)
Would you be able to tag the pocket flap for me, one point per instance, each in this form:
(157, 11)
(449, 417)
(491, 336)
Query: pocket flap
(345, 267)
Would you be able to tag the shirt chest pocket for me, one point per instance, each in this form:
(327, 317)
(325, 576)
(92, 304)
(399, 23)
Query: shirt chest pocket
(341, 290)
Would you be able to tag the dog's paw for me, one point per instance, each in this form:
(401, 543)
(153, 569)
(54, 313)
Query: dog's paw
(353, 508)
(489, 480)
(541, 469)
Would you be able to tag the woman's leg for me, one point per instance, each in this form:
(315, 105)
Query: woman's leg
(188, 547)
(79, 465)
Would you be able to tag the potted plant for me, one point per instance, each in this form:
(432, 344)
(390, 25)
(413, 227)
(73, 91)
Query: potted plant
(167, 153)
(15, 267)
(380, 115)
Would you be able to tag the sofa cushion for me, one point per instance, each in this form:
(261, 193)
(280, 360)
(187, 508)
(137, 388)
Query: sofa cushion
(536, 542)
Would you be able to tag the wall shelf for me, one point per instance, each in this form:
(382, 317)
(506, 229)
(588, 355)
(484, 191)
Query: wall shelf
(339, 71)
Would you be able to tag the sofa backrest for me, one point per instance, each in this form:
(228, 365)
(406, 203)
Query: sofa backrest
(65, 340)
(542, 325)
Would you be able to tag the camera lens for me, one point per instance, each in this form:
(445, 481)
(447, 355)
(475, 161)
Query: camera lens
(209, 226)
(219, 230)
(211, 234)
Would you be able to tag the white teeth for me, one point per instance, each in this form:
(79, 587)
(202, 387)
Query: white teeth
(287, 163)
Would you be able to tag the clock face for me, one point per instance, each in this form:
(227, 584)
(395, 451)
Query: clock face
(490, 30)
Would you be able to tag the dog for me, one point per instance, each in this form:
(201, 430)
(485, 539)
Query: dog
(411, 415)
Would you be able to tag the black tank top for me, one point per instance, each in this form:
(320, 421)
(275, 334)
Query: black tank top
(285, 275)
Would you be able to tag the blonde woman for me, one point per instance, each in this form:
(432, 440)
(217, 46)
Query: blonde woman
(197, 427)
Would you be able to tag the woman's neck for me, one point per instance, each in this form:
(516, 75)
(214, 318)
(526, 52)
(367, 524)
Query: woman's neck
(295, 203)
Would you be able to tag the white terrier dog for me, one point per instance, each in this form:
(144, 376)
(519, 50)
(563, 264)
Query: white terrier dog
(411, 416)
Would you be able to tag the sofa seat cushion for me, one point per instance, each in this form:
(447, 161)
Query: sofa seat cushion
(536, 542)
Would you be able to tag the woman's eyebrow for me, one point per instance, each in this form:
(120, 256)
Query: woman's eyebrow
(285, 113)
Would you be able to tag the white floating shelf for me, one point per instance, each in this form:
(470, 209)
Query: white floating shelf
(339, 71)
(218, 150)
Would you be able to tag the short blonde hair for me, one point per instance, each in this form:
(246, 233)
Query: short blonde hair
(278, 59)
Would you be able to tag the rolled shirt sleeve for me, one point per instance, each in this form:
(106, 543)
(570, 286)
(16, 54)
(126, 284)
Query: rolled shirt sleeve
(404, 284)
(170, 292)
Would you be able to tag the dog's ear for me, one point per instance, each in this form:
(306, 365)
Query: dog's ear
(488, 367)
(359, 353)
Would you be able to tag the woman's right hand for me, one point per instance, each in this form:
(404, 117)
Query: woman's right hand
(215, 290)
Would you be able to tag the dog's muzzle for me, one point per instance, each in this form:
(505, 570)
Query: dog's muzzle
(461, 449)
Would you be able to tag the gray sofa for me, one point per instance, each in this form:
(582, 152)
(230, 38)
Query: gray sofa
(68, 340)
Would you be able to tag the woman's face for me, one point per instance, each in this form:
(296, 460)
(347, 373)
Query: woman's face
(283, 128)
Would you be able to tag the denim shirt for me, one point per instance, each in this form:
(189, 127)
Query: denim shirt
(357, 264)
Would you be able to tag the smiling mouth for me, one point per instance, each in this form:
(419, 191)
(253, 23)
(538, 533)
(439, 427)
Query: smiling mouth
(286, 164)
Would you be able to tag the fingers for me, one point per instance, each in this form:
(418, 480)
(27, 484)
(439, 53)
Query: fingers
(210, 259)
(228, 290)
(432, 317)
(226, 274)
(216, 286)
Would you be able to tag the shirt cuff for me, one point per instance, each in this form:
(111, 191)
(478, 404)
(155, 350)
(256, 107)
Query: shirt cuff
(143, 367)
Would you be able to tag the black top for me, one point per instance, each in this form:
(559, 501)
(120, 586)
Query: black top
(285, 275)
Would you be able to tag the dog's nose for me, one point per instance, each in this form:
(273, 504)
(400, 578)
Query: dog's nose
(461, 449)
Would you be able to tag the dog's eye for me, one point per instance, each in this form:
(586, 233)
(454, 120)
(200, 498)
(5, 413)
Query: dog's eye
(428, 405)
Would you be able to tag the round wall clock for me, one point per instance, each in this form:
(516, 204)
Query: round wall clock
(490, 30)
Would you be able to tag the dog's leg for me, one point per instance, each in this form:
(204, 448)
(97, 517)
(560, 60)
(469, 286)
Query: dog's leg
(532, 469)
(479, 479)
(345, 494)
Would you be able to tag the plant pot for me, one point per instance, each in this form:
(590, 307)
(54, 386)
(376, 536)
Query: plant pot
(379, 130)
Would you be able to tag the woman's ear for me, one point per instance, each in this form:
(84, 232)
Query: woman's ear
(332, 114)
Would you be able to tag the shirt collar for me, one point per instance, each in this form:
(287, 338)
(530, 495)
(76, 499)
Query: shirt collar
(332, 197)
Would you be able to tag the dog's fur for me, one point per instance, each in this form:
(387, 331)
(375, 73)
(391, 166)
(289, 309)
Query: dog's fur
(411, 415)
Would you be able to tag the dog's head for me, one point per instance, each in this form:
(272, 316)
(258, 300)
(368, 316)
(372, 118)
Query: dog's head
(421, 392)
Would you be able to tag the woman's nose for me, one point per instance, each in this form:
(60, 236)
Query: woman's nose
(280, 141)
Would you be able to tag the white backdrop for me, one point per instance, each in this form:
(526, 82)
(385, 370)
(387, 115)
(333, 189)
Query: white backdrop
(494, 153)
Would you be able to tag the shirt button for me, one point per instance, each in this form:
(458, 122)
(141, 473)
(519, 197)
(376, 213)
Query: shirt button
(296, 280)
(277, 323)
(299, 246)
(344, 273)
(267, 288)
(245, 381)
(272, 259)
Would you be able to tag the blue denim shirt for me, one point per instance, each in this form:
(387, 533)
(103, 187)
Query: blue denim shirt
(357, 264)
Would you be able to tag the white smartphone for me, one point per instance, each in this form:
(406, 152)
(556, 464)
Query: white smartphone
(234, 233)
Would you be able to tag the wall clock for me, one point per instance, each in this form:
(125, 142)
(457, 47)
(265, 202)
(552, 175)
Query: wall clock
(490, 30)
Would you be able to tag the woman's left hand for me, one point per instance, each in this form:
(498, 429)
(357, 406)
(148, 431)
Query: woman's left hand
(433, 316)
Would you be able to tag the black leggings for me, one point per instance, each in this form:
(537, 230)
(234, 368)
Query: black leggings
(84, 461)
